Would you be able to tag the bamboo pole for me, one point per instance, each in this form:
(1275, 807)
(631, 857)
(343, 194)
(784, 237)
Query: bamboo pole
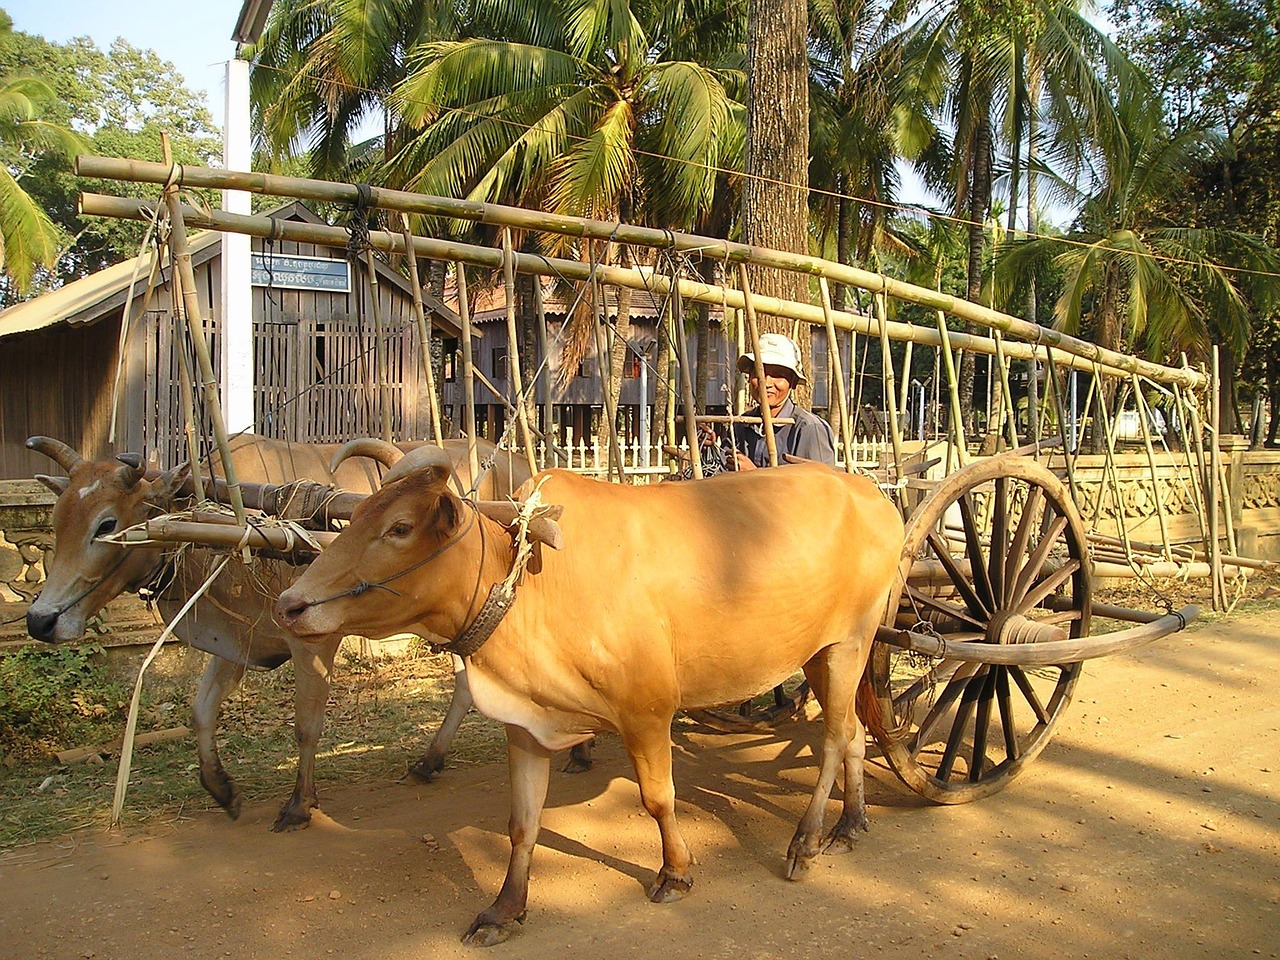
(687, 399)
(636, 278)
(1206, 488)
(1109, 471)
(753, 329)
(603, 364)
(837, 370)
(181, 253)
(543, 376)
(424, 335)
(379, 348)
(1002, 361)
(891, 403)
(953, 391)
(143, 172)
(1068, 455)
(468, 370)
(1143, 412)
(1215, 477)
(513, 351)
(905, 386)
(186, 387)
(1183, 407)
(186, 382)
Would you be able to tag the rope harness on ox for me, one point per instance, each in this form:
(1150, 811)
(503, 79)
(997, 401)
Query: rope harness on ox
(502, 595)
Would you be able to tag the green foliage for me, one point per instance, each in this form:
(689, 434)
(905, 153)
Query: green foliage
(56, 697)
(116, 103)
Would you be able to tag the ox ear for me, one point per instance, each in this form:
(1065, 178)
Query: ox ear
(58, 485)
(167, 486)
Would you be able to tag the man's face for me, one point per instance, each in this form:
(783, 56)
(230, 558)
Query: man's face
(777, 385)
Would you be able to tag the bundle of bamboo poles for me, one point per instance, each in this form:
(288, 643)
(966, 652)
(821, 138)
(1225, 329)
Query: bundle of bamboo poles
(1010, 338)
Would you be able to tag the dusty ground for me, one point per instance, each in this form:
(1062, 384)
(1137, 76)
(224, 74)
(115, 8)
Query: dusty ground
(1149, 828)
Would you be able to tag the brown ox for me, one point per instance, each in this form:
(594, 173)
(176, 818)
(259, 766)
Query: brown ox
(663, 597)
(233, 619)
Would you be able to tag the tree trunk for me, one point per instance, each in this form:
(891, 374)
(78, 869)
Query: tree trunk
(845, 212)
(775, 208)
(979, 204)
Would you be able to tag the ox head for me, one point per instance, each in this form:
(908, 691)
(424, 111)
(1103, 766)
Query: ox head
(413, 516)
(95, 499)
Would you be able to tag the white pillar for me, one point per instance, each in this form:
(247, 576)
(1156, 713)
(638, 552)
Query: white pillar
(237, 300)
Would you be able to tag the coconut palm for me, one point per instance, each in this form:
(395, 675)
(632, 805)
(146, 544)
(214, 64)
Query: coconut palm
(584, 108)
(974, 60)
(29, 240)
(325, 68)
(1145, 283)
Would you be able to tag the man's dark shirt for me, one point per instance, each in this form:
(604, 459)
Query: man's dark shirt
(810, 437)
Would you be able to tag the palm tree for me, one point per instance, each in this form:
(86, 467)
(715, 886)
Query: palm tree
(996, 73)
(29, 240)
(582, 108)
(325, 68)
(1142, 282)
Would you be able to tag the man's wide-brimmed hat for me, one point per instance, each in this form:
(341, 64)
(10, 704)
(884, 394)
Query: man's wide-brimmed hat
(776, 350)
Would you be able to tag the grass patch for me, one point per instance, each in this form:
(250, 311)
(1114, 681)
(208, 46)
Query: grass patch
(381, 715)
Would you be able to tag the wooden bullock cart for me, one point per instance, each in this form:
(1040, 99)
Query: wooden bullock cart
(991, 618)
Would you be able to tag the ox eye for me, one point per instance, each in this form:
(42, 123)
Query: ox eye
(105, 527)
(400, 529)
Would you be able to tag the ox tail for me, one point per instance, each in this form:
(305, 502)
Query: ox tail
(870, 710)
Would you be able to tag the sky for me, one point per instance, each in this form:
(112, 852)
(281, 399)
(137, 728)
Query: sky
(194, 36)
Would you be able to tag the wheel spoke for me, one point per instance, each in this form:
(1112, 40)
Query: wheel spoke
(980, 727)
(1035, 563)
(907, 698)
(1028, 691)
(1048, 585)
(973, 543)
(999, 532)
(964, 711)
(1062, 616)
(955, 686)
(1011, 751)
(1030, 519)
(958, 579)
(949, 609)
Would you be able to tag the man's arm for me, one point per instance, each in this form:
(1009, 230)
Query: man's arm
(816, 441)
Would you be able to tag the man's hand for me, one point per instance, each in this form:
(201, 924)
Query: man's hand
(744, 462)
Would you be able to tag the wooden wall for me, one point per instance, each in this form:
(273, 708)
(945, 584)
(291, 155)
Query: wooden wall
(315, 373)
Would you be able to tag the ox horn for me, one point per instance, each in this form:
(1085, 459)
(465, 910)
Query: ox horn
(387, 454)
(132, 469)
(426, 457)
(57, 451)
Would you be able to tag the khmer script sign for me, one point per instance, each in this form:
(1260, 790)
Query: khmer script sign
(297, 272)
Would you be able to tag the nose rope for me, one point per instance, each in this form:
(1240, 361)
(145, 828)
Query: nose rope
(364, 586)
(93, 585)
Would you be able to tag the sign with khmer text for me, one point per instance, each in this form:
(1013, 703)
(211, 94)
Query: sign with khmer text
(299, 272)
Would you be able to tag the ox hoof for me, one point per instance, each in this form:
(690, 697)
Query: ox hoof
(426, 768)
(224, 791)
(290, 820)
(580, 758)
(800, 856)
(487, 933)
(843, 836)
(669, 890)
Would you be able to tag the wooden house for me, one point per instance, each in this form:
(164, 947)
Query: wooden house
(316, 371)
(577, 400)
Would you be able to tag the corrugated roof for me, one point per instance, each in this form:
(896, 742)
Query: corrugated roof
(89, 298)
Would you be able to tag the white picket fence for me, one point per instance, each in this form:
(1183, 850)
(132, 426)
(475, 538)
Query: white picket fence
(643, 463)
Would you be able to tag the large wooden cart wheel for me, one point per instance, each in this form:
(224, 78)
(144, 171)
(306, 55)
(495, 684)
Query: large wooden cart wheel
(996, 554)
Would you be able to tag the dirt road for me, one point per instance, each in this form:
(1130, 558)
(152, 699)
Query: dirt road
(1149, 828)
